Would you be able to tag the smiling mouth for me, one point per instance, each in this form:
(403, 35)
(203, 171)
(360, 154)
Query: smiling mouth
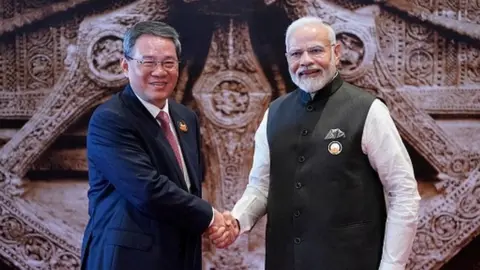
(309, 72)
(159, 84)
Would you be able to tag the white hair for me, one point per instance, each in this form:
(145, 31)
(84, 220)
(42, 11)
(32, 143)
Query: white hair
(306, 21)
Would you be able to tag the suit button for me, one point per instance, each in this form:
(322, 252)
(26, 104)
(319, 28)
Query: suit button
(297, 240)
(301, 159)
(296, 214)
(298, 185)
(304, 132)
(309, 108)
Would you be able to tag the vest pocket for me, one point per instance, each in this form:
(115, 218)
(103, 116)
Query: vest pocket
(352, 235)
(128, 239)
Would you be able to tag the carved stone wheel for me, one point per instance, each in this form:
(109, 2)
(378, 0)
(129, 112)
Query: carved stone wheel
(59, 60)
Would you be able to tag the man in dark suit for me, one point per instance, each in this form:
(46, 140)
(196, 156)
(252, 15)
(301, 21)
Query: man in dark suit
(145, 166)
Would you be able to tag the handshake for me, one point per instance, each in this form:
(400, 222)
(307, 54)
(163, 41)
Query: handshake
(224, 229)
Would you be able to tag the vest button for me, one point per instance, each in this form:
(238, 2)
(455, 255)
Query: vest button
(309, 108)
(298, 185)
(296, 214)
(304, 132)
(301, 159)
(297, 240)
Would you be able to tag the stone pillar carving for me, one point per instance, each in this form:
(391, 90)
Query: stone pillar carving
(232, 93)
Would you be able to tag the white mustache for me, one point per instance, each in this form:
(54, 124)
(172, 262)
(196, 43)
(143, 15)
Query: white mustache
(310, 69)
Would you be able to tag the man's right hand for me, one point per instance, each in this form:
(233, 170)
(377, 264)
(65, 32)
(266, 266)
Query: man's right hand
(217, 230)
(223, 236)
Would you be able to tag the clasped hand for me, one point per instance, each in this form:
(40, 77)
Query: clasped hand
(224, 229)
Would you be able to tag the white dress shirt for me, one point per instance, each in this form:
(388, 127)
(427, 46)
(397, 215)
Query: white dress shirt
(387, 155)
(154, 111)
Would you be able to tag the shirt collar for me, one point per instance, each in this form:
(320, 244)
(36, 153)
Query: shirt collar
(152, 109)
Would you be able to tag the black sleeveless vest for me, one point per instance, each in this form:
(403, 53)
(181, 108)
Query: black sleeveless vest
(326, 207)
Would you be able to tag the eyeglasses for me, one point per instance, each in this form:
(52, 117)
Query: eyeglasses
(313, 52)
(150, 64)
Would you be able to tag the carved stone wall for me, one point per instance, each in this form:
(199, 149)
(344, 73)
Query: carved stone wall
(59, 60)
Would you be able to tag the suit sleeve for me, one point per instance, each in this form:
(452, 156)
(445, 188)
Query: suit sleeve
(115, 151)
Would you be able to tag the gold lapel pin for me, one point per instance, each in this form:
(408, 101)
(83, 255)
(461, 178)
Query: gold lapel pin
(182, 126)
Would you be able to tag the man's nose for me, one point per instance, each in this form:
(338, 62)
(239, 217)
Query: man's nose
(305, 59)
(159, 70)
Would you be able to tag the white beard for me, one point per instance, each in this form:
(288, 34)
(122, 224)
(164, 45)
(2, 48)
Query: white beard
(313, 84)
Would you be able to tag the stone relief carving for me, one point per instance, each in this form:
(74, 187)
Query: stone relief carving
(414, 67)
(232, 94)
(105, 54)
(353, 51)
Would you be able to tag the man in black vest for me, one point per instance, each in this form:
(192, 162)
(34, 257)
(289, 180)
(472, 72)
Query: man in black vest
(329, 169)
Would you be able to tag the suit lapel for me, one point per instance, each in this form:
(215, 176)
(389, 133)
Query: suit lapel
(182, 129)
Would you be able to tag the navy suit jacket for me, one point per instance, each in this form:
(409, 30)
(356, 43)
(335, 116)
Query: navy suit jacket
(141, 214)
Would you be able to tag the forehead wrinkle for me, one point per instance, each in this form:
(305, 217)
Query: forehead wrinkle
(308, 45)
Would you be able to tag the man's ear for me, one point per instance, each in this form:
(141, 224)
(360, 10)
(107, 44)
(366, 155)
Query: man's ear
(124, 65)
(337, 52)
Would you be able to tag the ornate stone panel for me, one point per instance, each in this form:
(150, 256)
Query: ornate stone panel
(232, 93)
(462, 100)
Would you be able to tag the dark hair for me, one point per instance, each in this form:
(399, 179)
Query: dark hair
(153, 28)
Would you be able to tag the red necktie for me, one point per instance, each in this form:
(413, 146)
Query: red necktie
(165, 122)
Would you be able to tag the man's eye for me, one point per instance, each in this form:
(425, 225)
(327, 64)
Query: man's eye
(316, 51)
(169, 64)
(149, 63)
(295, 54)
